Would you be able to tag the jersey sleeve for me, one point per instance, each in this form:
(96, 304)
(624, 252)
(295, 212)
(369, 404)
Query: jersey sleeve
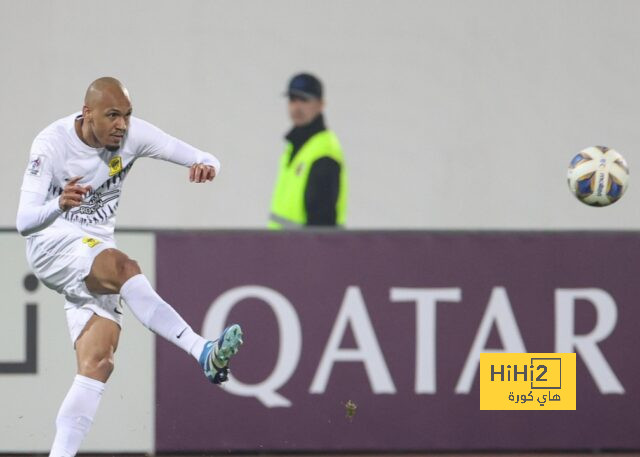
(157, 144)
(34, 212)
(39, 173)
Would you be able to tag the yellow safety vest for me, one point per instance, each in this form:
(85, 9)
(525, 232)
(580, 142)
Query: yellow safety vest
(287, 205)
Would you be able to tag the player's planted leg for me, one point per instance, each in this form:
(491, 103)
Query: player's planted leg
(94, 350)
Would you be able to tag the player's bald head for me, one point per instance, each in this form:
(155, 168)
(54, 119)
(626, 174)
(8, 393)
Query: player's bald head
(106, 113)
(105, 89)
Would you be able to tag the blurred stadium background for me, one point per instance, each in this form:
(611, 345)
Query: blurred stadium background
(458, 120)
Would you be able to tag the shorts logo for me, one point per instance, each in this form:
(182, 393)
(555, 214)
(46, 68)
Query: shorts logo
(118, 308)
(35, 166)
(115, 165)
(91, 242)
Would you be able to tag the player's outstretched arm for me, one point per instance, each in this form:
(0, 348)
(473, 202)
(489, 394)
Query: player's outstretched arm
(156, 144)
(203, 166)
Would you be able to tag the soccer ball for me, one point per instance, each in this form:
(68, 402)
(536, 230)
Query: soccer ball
(598, 176)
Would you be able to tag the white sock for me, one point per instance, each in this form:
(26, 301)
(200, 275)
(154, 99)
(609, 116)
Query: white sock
(158, 315)
(76, 416)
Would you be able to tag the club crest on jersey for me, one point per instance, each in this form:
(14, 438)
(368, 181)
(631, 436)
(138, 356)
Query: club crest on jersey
(299, 169)
(35, 166)
(115, 165)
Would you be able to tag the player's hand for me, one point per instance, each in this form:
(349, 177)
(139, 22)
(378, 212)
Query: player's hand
(201, 173)
(72, 194)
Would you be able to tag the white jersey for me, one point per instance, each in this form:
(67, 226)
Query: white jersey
(58, 154)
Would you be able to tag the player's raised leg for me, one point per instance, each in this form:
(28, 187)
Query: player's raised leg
(114, 272)
(95, 348)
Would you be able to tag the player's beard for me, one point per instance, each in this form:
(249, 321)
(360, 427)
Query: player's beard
(113, 147)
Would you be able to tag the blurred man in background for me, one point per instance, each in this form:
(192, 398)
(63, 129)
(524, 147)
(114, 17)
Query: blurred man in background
(311, 189)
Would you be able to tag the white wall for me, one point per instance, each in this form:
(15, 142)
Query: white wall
(29, 402)
(453, 114)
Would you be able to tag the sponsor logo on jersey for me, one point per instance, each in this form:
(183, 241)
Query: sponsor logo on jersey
(91, 242)
(115, 165)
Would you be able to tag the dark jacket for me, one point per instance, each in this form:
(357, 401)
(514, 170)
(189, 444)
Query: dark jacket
(323, 186)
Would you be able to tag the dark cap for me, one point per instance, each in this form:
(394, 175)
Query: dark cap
(305, 85)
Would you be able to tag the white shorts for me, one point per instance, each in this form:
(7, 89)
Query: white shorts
(62, 259)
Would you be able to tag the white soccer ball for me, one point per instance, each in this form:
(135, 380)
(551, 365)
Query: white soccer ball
(598, 176)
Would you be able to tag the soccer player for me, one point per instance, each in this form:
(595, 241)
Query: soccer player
(69, 198)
